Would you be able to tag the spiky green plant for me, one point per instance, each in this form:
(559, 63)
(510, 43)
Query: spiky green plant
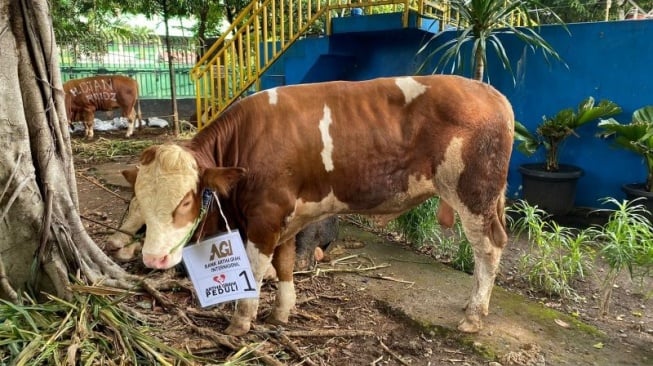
(625, 242)
(481, 24)
(558, 255)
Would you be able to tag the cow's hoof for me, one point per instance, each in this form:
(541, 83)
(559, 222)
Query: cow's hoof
(127, 253)
(237, 329)
(470, 326)
(278, 317)
(275, 320)
(117, 240)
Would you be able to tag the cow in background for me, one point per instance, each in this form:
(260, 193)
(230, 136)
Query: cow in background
(288, 156)
(101, 93)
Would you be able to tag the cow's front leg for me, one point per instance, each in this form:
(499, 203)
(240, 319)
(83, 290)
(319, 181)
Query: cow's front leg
(284, 262)
(246, 309)
(487, 255)
(119, 240)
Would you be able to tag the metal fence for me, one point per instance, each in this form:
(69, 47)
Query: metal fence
(145, 60)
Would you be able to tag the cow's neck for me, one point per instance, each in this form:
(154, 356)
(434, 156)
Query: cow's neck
(217, 144)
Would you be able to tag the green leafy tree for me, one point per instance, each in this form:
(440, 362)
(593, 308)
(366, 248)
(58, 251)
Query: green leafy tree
(574, 11)
(481, 24)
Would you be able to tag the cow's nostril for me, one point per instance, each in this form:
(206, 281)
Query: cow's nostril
(163, 262)
(156, 262)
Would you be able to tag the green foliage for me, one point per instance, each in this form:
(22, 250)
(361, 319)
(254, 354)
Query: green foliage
(481, 22)
(625, 242)
(420, 227)
(636, 136)
(558, 255)
(575, 11)
(552, 132)
(463, 259)
(89, 330)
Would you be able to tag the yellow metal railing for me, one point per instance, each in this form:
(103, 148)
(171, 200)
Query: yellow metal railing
(265, 29)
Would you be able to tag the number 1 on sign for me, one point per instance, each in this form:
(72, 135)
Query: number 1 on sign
(249, 285)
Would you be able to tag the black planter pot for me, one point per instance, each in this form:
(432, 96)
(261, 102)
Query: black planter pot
(637, 190)
(554, 192)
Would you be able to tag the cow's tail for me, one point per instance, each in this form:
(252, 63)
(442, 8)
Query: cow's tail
(498, 229)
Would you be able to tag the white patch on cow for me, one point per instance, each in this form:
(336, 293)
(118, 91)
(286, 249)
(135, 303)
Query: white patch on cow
(327, 141)
(285, 301)
(273, 95)
(447, 177)
(259, 262)
(410, 87)
(307, 212)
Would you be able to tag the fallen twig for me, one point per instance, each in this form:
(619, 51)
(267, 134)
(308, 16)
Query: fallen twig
(95, 182)
(318, 270)
(329, 333)
(290, 345)
(409, 261)
(394, 355)
(105, 225)
(388, 278)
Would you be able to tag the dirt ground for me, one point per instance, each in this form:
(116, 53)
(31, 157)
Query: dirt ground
(335, 324)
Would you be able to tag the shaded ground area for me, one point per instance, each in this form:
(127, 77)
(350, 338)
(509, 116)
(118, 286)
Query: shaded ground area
(380, 302)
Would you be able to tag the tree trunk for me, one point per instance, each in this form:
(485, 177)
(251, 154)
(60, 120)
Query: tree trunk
(479, 64)
(40, 226)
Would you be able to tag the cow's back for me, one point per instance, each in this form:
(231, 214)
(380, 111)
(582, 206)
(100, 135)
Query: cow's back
(368, 144)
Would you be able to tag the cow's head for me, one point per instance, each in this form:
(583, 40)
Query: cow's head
(167, 184)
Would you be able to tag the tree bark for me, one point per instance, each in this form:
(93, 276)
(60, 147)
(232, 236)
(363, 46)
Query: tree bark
(42, 239)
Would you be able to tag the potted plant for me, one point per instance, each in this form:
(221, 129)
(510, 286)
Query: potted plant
(635, 136)
(551, 185)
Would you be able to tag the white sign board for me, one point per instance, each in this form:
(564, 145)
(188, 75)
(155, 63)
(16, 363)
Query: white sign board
(220, 270)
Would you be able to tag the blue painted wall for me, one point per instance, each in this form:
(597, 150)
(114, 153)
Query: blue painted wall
(607, 60)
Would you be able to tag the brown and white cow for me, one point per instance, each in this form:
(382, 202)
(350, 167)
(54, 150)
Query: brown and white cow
(292, 155)
(101, 93)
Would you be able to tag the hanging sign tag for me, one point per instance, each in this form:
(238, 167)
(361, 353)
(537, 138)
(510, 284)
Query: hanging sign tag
(220, 270)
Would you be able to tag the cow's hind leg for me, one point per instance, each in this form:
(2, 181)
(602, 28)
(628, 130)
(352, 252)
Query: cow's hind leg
(131, 117)
(246, 308)
(488, 237)
(89, 121)
(284, 262)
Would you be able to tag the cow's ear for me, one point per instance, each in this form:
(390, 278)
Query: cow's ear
(221, 179)
(130, 175)
(148, 155)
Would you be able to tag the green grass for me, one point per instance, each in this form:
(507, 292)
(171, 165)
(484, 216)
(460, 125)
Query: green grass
(420, 227)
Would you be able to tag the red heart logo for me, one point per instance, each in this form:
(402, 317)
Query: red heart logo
(220, 279)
